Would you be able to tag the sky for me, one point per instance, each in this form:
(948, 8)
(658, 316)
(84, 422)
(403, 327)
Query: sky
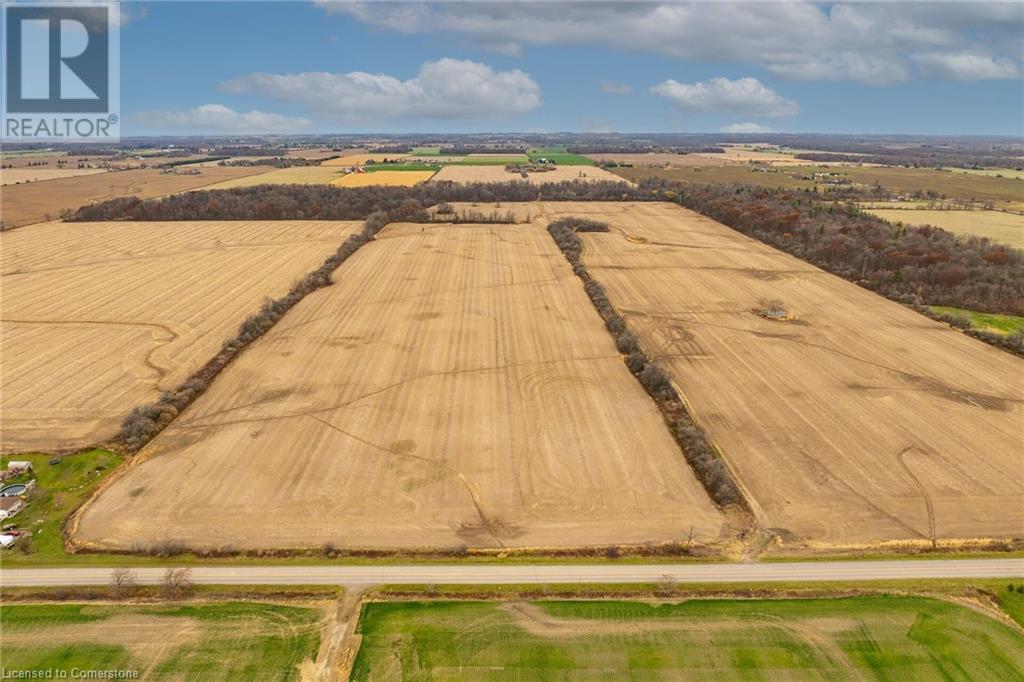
(336, 67)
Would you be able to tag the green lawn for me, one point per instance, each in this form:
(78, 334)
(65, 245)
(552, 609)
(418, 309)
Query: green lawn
(224, 641)
(884, 637)
(489, 161)
(1002, 324)
(59, 489)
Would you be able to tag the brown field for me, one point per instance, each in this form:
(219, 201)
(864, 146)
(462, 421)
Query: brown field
(454, 387)
(998, 225)
(101, 317)
(860, 421)
(360, 159)
(403, 178)
(302, 175)
(314, 153)
(15, 176)
(468, 174)
(33, 202)
(662, 160)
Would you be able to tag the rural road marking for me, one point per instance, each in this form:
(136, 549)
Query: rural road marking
(813, 571)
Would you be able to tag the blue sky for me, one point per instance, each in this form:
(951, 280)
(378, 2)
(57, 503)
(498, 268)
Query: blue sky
(251, 67)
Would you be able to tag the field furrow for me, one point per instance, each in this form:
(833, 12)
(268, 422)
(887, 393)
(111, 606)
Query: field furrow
(454, 388)
(855, 421)
(100, 317)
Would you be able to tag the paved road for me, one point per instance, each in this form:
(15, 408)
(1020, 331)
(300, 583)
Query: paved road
(544, 573)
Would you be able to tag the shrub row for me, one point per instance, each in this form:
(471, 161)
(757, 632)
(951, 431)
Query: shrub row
(700, 454)
(143, 423)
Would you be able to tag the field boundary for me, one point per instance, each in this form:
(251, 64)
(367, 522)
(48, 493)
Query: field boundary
(707, 464)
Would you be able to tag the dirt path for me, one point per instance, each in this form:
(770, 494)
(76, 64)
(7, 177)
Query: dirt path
(340, 643)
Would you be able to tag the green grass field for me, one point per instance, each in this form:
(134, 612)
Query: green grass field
(1001, 324)
(560, 156)
(489, 161)
(887, 637)
(223, 641)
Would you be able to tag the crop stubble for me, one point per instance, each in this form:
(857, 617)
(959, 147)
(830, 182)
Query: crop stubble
(454, 387)
(860, 421)
(100, 317)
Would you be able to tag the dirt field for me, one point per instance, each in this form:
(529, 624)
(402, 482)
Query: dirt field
(33, 202)
(661, 160)
(403, 178)
(100, 317)
(455, 387)
(998, 225)
(302, 175)
(468, 174)
(361, 158)
(15, 176)
(859, 421)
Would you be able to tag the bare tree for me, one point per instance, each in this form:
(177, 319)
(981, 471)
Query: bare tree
(122, 583)
(176, 583)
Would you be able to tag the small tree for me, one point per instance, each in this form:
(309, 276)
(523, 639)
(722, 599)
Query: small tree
(122, 583)
(176, 583)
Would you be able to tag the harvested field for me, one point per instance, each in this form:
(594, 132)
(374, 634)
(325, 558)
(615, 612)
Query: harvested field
(37, 202)
(998, 225)
(16, 176)
(858, 421)
(403, 178)
(302, 175)
(100, 317)
(468, 174)
(661, 160)
(360, 159)
(455, 387)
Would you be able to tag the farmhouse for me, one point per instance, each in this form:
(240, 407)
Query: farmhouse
(9, 506)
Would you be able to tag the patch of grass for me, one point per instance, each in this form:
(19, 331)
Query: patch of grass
(370, 168)
(489, 161)
(900, 637)
(59, 489)
(1001, 324)
(237, 640)
(38, 615)
(560, 156)
(1011, 600)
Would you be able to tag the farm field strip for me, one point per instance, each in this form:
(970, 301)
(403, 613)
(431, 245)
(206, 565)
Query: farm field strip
(302, 175)
(34, 202)
(843, 638)
(199, 640)
(996, 225)
(405, 178)
(497, 173)
(14, 176)
(100, 317)
(858, 422)
(490, 409)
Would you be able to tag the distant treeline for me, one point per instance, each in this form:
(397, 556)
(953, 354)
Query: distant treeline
(643, 149)
(326, 202)
(914, 265)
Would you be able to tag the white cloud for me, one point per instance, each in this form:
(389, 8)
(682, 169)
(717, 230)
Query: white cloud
(613, 88)
(219, 118)
(876, 43)
(742, 96)
(969, 67)
(447, 88)
(745, 128)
